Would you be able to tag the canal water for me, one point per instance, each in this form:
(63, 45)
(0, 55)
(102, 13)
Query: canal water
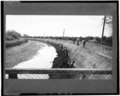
(43, 59)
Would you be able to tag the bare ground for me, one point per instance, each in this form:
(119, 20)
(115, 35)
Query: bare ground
(92, 56)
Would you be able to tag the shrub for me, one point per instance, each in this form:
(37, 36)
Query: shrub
(12, 35)
(9, 37)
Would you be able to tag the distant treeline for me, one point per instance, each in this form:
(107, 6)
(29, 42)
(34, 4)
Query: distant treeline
(13, 38)
(105, 41)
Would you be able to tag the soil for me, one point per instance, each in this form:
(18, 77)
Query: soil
(62, 60)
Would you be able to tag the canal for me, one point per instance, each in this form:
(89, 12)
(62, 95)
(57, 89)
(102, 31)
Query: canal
(43, 59)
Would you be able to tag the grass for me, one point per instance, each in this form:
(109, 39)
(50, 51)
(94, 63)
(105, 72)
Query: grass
(21, 53)
(92, 56)
(16, 42)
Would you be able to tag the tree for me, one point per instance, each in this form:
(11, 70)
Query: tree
(11, 35)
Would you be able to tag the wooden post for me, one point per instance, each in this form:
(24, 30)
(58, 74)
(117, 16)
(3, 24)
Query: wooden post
(103, 29)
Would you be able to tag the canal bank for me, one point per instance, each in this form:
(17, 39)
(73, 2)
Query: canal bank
(21, 53)
(62, 60)
(46, 55)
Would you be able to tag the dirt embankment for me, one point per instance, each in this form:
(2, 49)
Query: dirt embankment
(90, 56)
(62, 60)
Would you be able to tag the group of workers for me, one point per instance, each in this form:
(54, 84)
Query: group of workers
(64, 53)
(78, 41)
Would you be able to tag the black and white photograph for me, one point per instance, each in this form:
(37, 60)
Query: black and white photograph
(62, 47)
(58, 47)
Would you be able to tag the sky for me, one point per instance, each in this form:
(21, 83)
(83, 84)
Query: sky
(54, 25)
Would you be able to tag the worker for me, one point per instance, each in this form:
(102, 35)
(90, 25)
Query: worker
(84, 42)
(77, 42)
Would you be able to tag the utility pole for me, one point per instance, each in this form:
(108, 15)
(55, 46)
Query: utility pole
(103, 29)
(63, 32)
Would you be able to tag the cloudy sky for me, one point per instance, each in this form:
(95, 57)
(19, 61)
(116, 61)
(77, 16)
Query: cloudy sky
(53, 25)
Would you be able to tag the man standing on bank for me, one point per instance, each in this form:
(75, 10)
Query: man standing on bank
(84, 42)
(78, 42)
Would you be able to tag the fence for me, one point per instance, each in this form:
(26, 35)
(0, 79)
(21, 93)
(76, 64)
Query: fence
(58, 74)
